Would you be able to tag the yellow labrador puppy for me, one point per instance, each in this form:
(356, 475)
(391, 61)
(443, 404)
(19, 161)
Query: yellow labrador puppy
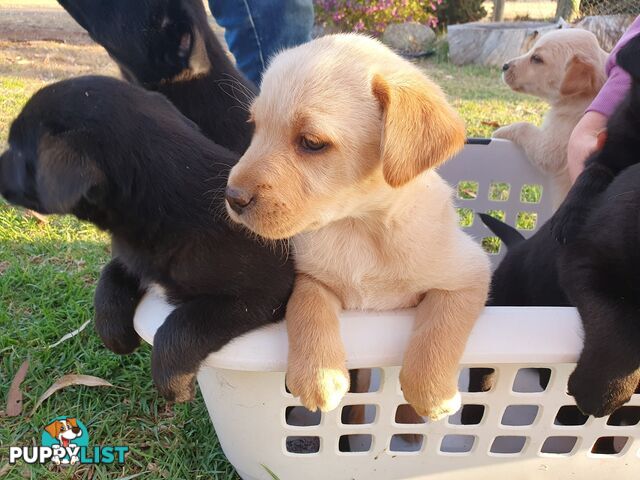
(347, 136)
(567, 69)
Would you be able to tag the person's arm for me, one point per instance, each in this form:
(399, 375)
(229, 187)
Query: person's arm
(584, 141)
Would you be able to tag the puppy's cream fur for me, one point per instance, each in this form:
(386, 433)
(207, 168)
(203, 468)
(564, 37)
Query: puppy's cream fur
(373, 224)
(567, 69)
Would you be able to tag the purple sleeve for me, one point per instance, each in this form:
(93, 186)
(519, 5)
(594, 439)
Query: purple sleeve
(619, 82)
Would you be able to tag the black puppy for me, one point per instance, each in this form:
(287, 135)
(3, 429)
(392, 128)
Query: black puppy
(600, 272)
(168, 46)
(600, 264)
(126, 160)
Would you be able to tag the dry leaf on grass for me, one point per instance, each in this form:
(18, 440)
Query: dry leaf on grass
(71, 334)
(4, 266)
(38, 216)
(5, 469)
(14, 399)
(67, 381)
(493, 124)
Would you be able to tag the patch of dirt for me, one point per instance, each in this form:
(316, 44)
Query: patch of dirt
(45, 24)
(46, 44)
(48, 61)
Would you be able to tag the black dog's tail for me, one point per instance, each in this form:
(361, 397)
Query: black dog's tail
(509, 235)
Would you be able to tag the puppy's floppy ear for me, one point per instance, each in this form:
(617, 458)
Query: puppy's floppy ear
(420, 130)
(53, 429)
(66, 173)
(629, 57)
(72, 421)
(582, 78)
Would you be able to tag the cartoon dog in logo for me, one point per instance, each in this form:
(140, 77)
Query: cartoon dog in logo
(65, 431)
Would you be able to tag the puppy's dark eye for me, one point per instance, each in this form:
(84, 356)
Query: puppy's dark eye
(312, 144)
(536, 59)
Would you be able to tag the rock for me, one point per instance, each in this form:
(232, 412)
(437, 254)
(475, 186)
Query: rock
(411, 38)
(607, 28)
(484, 43)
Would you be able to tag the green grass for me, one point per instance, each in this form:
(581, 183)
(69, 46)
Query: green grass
(47, 279)
(14, 92)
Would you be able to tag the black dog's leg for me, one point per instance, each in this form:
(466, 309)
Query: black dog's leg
(117, 296)
(573, 212)
(480, 380)
(608, 370)
(194, 330)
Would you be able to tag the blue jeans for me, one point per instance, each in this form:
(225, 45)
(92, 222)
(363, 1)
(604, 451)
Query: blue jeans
(257, 29)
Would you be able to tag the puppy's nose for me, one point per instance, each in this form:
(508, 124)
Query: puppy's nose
(75, 430)
(238, 199)
(505, 67)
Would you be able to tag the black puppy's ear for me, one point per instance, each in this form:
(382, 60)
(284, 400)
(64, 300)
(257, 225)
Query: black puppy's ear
(66, 173)
(183, 46)
(629, 57)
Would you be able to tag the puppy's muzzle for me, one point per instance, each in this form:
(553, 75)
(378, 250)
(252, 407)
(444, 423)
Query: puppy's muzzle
(14, 183)
(238, 199)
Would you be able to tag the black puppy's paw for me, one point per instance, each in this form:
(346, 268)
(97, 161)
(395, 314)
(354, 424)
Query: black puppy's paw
(600, 396)
(173, 366)
(174, 384)
(117, 334)
(567, 222)
(115, 302)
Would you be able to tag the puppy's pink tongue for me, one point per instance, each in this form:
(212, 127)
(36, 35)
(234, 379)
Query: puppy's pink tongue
(65, 442)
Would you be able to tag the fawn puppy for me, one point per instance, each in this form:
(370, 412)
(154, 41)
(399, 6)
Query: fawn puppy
(347, 137)
(566, 68)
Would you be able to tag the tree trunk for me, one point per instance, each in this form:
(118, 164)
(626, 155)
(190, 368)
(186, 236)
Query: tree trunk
(498, 10)
(567, 9)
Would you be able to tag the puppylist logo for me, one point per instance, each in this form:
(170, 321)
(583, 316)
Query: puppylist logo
(65, 441)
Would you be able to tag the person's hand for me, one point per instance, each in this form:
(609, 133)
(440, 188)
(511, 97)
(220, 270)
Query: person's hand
(584, 141)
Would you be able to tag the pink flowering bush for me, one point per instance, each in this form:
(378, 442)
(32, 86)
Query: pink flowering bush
(373, 16)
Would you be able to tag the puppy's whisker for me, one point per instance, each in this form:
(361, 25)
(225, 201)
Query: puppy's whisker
(231, 89)
(239, 84)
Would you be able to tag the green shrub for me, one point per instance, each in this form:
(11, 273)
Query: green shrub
(451, 12)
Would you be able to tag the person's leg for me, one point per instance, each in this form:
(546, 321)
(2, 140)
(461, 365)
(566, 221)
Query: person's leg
(257, 29)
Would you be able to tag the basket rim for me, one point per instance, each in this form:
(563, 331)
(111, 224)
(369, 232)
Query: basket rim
(502, 335)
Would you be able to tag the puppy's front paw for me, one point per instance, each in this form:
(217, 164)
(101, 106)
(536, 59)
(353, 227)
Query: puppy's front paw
(509, 132)
(318, 387)
(174, 384)
(600, 397)
(503, 132)
(427, 397)
(117, 334)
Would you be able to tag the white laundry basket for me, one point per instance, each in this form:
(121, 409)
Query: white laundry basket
(518, 436)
